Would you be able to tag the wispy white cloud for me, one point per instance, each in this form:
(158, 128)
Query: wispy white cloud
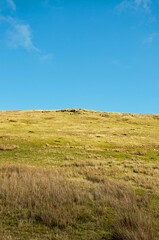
(147, 5)
(20, 36)
(11, 4)
(46, 57)
(124, 5)
(134, 5)
(150, 38)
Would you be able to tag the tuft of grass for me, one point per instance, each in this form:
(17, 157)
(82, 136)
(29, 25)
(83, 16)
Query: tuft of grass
(132, 226)
(48, 197)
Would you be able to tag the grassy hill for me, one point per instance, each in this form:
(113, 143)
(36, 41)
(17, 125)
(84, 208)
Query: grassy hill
(79, 174)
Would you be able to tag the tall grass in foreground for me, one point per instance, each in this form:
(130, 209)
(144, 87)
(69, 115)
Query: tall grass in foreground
(47, 196)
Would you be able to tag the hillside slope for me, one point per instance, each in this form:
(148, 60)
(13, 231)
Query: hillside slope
(79, 174)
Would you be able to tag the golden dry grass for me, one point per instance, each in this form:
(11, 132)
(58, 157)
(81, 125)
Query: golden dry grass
(48, 196)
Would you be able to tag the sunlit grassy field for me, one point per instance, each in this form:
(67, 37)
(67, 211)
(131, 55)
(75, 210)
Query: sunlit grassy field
(79, 175)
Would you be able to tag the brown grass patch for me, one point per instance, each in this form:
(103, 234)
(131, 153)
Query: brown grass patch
(8, 147)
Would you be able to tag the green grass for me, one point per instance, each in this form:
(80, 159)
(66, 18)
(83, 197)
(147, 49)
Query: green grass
(88, 147)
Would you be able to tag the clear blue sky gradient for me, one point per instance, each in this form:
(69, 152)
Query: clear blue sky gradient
(91, 54)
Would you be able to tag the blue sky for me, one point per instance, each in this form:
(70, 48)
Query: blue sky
(92, 54)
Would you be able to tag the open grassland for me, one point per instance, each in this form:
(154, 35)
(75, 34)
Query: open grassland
(79, 175)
